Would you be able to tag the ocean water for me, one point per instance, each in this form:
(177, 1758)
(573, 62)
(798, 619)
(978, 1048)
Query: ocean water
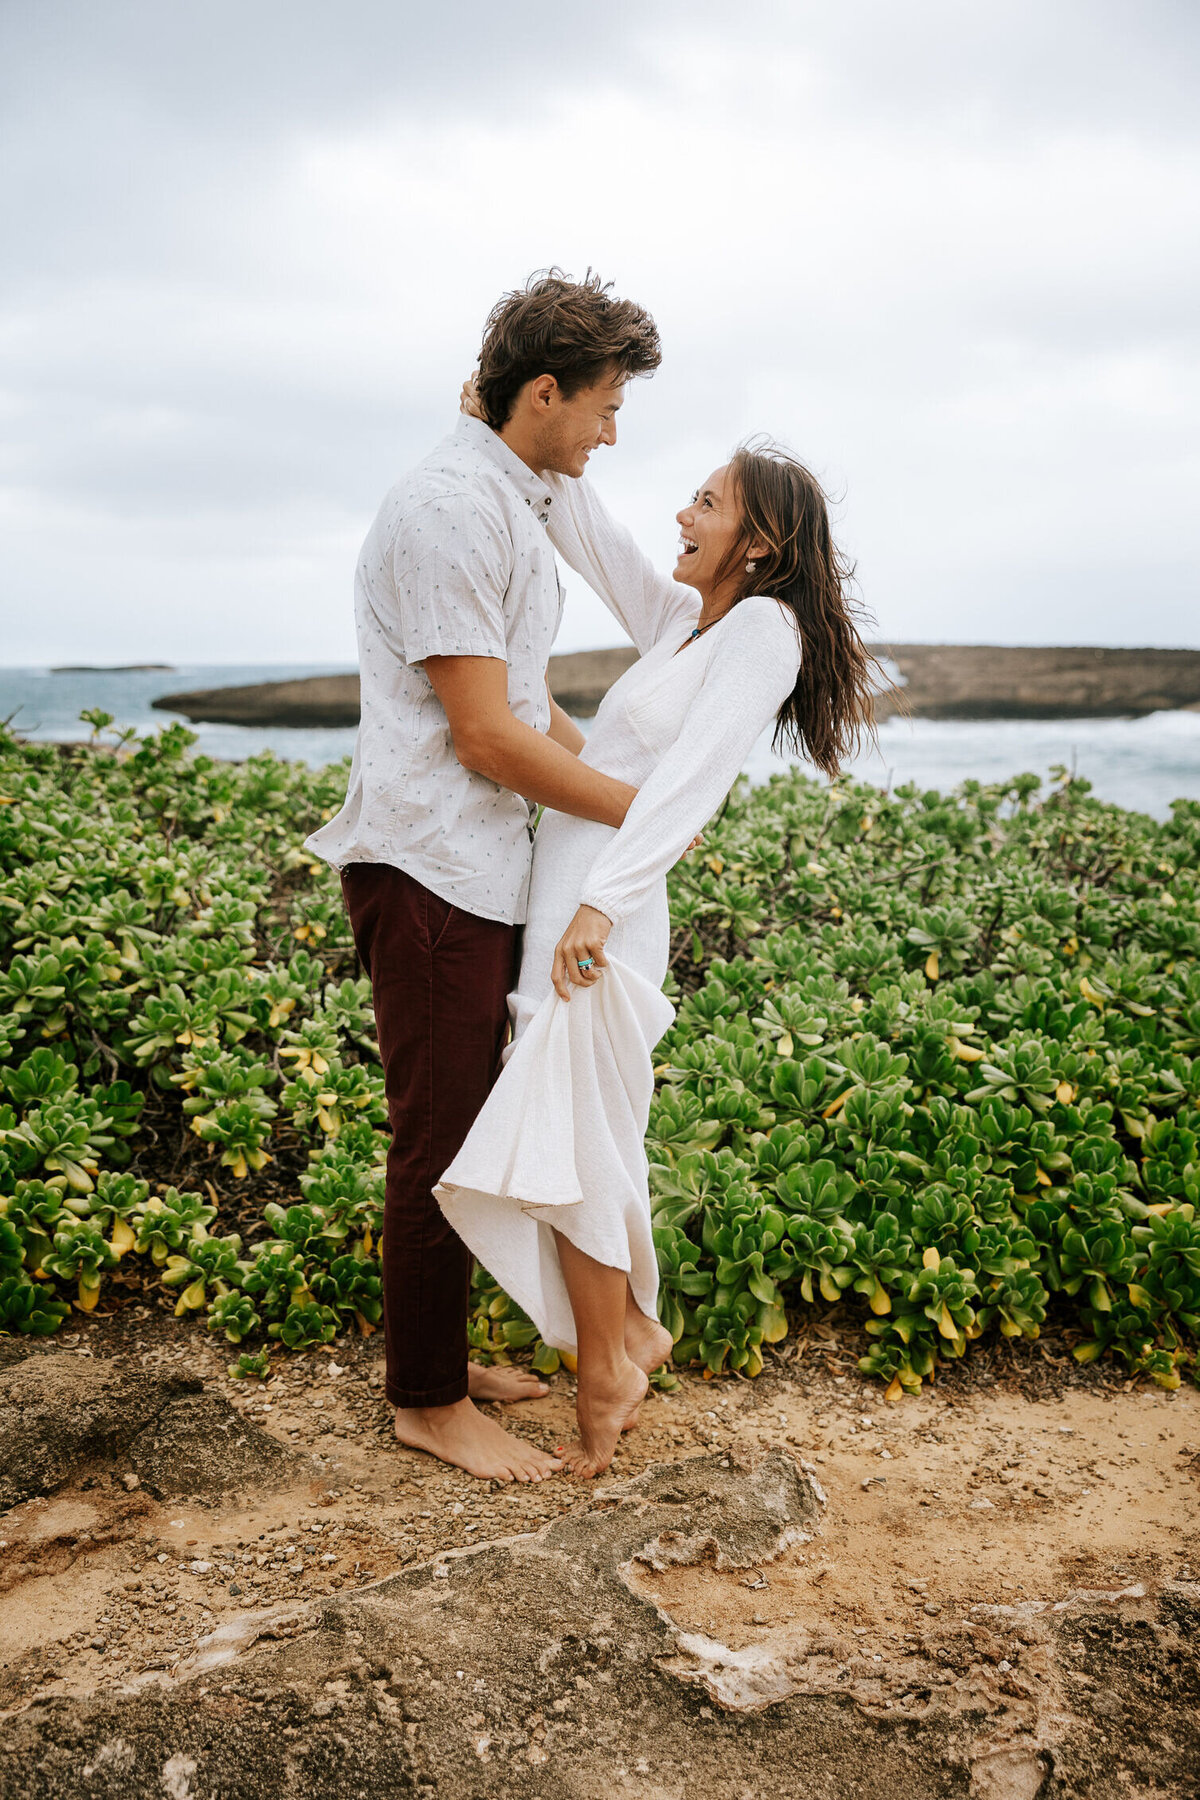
(1139, 763)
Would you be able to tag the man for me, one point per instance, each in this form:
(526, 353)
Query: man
(457, 602)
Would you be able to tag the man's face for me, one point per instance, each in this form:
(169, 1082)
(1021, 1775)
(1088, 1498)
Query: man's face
(575, 427)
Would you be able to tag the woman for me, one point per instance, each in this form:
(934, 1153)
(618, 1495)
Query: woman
(550, 1188)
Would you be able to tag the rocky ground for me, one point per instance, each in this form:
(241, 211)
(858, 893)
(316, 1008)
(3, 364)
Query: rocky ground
(213, 1588)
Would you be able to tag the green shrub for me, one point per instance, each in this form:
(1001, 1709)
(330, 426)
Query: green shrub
(936, 1063)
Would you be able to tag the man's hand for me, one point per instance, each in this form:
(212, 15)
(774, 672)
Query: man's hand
(468, 400)
(584, 937)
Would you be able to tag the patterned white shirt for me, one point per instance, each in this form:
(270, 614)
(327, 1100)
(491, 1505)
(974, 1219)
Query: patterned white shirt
(457, 563)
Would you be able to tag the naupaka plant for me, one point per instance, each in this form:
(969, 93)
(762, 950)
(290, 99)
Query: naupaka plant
(935, 1066)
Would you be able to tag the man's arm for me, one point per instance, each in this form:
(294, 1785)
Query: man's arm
(563, 728)
(491, 741)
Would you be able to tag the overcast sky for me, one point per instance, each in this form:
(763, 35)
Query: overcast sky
(947, 251)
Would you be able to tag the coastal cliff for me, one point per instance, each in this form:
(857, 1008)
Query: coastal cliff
(939, 681)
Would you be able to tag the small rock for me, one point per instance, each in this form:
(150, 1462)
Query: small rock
(932, 1608)
(131, 1481)
(200, 1567)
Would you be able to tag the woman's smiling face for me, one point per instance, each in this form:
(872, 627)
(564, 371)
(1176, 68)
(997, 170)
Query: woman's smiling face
(710, 527)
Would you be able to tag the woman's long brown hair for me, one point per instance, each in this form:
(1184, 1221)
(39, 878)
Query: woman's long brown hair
(783, 506)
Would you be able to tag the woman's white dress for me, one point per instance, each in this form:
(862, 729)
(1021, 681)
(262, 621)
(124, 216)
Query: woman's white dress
(558, 1145)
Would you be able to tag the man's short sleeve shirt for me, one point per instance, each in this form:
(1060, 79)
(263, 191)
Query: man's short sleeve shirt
(457, 563)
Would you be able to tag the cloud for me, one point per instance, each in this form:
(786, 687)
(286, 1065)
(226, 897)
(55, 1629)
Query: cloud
(942, 251)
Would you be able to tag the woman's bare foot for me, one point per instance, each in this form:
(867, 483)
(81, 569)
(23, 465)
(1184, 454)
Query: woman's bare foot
(602, 1407)
(502, 1382)
(461, 1435)
(647, 1343)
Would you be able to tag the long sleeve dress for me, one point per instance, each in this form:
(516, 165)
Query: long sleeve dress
(558, 1145)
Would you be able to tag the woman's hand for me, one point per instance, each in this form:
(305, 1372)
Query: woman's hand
(584, 937)
(468, 400)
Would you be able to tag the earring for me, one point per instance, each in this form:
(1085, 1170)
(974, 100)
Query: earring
(750, 567)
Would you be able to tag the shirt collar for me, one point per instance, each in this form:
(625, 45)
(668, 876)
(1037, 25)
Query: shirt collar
(533, 489)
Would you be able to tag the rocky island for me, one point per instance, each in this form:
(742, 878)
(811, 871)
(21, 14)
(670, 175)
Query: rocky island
(938, 681)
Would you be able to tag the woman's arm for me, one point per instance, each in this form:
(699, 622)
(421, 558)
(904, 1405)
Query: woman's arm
(586, 536)
(563, 728)
(753, 670)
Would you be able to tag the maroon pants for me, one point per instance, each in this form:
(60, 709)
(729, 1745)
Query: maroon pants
(439, 981)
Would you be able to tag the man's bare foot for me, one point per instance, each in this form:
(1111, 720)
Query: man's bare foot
(461, 1435)
(602, 1407)
(502, 1382)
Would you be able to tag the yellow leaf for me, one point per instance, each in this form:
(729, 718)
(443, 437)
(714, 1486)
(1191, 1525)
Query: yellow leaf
(894, 1390)
(364, 1325)
(87, 1296)
(1089, 993)
(785, 1046)
(880, 1302)
(1064, 1092)
(931, 1259)
(1042, 1179)
(123, 1238)
(570, 1361)
(774, 1325)
(837, 1105)
(716, 864)
(946, 1324)
(966, 1052)
(1071, 946)
(931, 965)
(1160, 1207)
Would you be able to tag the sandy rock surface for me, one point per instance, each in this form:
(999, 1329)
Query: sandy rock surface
(62, 1417)
(782, 1588)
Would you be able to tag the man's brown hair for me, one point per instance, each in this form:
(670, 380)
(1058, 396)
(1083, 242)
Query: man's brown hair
(573, 330)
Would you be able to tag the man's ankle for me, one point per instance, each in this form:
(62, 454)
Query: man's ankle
(445, 1408)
